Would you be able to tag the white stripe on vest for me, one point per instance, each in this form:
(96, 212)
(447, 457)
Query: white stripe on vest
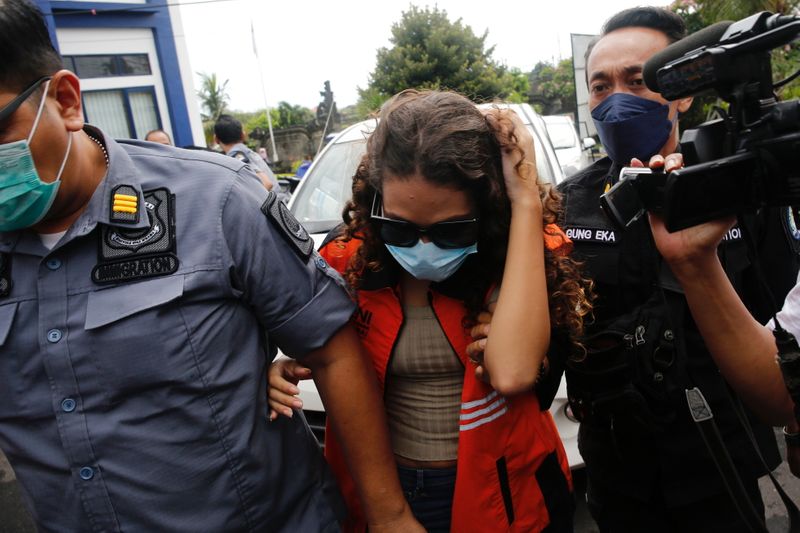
(477, 413)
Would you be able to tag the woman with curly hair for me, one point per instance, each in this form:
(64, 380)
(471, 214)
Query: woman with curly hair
(448, 218)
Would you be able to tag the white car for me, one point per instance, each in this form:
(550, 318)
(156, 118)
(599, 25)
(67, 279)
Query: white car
(573, 153)
(318, 202)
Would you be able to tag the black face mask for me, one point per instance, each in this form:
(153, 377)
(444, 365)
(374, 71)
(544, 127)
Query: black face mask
(630, 126)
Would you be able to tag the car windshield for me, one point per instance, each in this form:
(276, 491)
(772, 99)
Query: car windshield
(318, 202)
(561, 134)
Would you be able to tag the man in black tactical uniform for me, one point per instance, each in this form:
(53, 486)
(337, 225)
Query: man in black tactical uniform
(647, 465)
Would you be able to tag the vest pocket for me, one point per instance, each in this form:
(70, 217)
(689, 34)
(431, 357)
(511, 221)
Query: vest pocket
(505, 489)
(556, 494)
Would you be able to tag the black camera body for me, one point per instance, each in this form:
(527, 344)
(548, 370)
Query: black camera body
(637, 190)
(744, 161)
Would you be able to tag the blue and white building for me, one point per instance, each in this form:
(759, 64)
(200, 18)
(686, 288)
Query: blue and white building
(133, 64)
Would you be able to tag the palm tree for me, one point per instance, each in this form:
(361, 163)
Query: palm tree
(212, 96)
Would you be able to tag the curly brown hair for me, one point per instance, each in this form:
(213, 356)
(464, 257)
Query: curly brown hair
(445, 138)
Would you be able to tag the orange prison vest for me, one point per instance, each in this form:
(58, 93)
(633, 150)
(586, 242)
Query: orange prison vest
(512, 469)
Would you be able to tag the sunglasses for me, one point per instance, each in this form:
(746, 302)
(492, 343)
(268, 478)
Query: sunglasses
(14, 104)
(448, 234)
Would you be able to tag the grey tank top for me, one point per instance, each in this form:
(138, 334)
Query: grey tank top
(423, 390)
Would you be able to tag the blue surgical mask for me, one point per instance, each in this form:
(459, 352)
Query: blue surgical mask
(631, 126)
(427, 261)
(24, 198)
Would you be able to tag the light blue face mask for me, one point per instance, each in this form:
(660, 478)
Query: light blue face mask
(427, 261)
(24, 198)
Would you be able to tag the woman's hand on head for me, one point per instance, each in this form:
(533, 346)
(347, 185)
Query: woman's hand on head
(518, 155)
(283, 376)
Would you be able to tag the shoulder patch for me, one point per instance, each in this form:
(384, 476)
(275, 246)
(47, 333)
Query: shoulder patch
(133, 254)
(288, 226)
(124, 204)
(5, 275)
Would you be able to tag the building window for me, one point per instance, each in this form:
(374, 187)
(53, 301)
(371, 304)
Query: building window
(123, 113)
(105, 66)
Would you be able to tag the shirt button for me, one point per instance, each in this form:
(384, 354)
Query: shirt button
(86, 473)
(53, 264)
(54, 335)
(68, 405)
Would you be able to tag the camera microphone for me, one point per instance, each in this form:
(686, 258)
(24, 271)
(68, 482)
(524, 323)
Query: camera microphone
(705, 37)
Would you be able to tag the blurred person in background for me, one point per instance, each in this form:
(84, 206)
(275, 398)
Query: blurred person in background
(229, 135)
(158, 136)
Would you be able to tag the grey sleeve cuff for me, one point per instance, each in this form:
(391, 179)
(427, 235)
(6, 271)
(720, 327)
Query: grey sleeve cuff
(313, 325)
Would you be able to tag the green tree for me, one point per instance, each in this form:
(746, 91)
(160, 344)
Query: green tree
(429, 51)
(701, 13)
(519, 84)
(370, 101)
(213, 96)
(293, 115)
(214, 101)
(285, 115)
(552, 87)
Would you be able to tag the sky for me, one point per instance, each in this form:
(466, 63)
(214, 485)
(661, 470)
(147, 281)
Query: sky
(302, 43)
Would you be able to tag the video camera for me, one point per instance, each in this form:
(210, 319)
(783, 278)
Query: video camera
(739, 163)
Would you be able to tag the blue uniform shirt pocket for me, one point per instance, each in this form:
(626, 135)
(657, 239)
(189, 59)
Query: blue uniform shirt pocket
(7, 313)
(136, 340)
(109, 305)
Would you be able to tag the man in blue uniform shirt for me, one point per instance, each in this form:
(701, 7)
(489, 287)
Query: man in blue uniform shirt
(228, 133)
(138, 286)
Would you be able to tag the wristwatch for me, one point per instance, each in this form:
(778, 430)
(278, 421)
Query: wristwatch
(792, 439)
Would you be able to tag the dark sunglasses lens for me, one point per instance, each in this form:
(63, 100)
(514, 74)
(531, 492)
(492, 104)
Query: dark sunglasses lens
(454, 234)
(398, 233)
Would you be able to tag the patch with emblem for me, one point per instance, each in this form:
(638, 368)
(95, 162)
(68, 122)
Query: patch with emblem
(288, 226)
(124, 205)
(133, 254)
(5, 275)
(597, 235)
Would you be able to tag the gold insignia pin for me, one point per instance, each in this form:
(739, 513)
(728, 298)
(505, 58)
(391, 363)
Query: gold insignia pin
(125, 203)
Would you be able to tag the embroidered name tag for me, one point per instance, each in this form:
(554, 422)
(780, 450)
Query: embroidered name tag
(598, 235)
(132, 254)
(734, 234)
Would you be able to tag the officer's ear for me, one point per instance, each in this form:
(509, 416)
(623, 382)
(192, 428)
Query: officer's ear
(65, 89)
